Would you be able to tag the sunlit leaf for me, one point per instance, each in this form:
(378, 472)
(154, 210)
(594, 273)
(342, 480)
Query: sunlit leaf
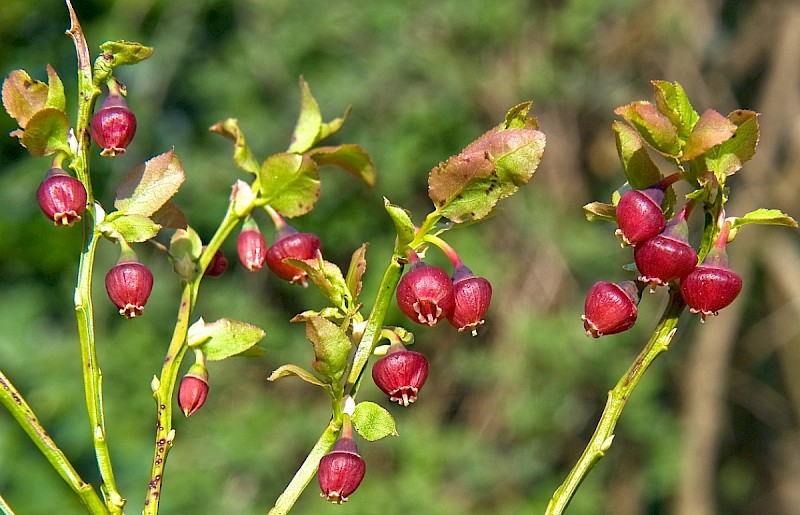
(132, 228)
(728, 157)
(46, 132)
(710, 130)
(290, 183)
(224, 338)
(640, 170)
(351, 158)
(126, 52)
(373, 422)
(308, 123)
(656, 129)
(55, 91)
(150, 185)
(402, 223)
(673, 103)
(331, 347)
(242, 155)
(23, 96)
(358, 265)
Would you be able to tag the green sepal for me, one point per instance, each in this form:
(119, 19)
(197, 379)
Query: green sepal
(297, 371)
(350, 158)
(328, 278)
(640, 170)
(131, 228)
(373, 421)
(728, 157)
(331, 348)
(23, 96)
(672, 102)
(655, 128)
(289, 183)
(150, 185)
(185, 248)
(358, 265)
(46, 133)
(402, 223)
(55, 91)
(223, 338)
(242, 156)
(467, 186)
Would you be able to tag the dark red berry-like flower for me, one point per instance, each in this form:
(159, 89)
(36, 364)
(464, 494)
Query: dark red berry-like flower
(113, 125)
(712, 285)
(400, 374)
(610, 308)
(218, 264)
(129, 285)
(472, 296)
(639, 215)
(294, 245)
(252, 248)
(668, 256)
(425, 294)
(341, 470)
(61, 197)
(193, 390)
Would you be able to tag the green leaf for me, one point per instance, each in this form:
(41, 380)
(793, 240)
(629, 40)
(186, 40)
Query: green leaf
(517, 117)
(126, 52)
(373, 422)
(595, 211)
(672, 102)
(55, 91)
(132, 228)
(350, 158)
(402, 223)
(290, 183)
(309, 122)
(358, 265)
(640, 170)
(331, 348)
(468, 185)
(728, 157)
(223, 338)
(185, 248)
(710, 130)
(294, 370)
(23, 96)
(332, 127)
(242, 155)
(764, 217)
(656, 129)
(46, 133)
(150, 185)
(327, 277)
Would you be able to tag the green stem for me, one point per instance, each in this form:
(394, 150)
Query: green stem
(25, 417)
(617, 398)
(5, 509)
(306, 471)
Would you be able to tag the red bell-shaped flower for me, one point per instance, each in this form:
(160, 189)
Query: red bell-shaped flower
(400, 374)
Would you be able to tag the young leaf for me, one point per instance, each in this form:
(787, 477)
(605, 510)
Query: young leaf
(294, 370)
(185, 248)
(710, 130)
(46, 132)
(672, 102)
(468, 185)
(225, 337)
(358, 265)
(150, 185)
(332, 127)
(656, 129)
(402, 223)
(242, 155)
(327, 277)
(640, 170)
(728, 157)
(132, 228)
(23, 96)
(126, 52)
(55, 91)
(517, 117)
(764, 217)
(290, 183)
(308, 123)
(331, 347)
(373, 422)
(595, 211)
(170, 215)
(350, 158)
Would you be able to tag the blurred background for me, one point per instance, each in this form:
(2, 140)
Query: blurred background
(713, 427)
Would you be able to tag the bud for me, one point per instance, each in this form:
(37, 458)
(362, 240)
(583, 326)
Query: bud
(129, 285)
(341, 470)
(113, 125)
(400, 374)
(61, 197)
(295, 245)
(425, 294)
(193, 389)
(252, 247)
(668, 256)
(218, 264)
(639, 215)
(472, 296)
(712, 285)
(610, 308)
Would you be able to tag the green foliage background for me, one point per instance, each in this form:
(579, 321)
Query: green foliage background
(713, 428)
